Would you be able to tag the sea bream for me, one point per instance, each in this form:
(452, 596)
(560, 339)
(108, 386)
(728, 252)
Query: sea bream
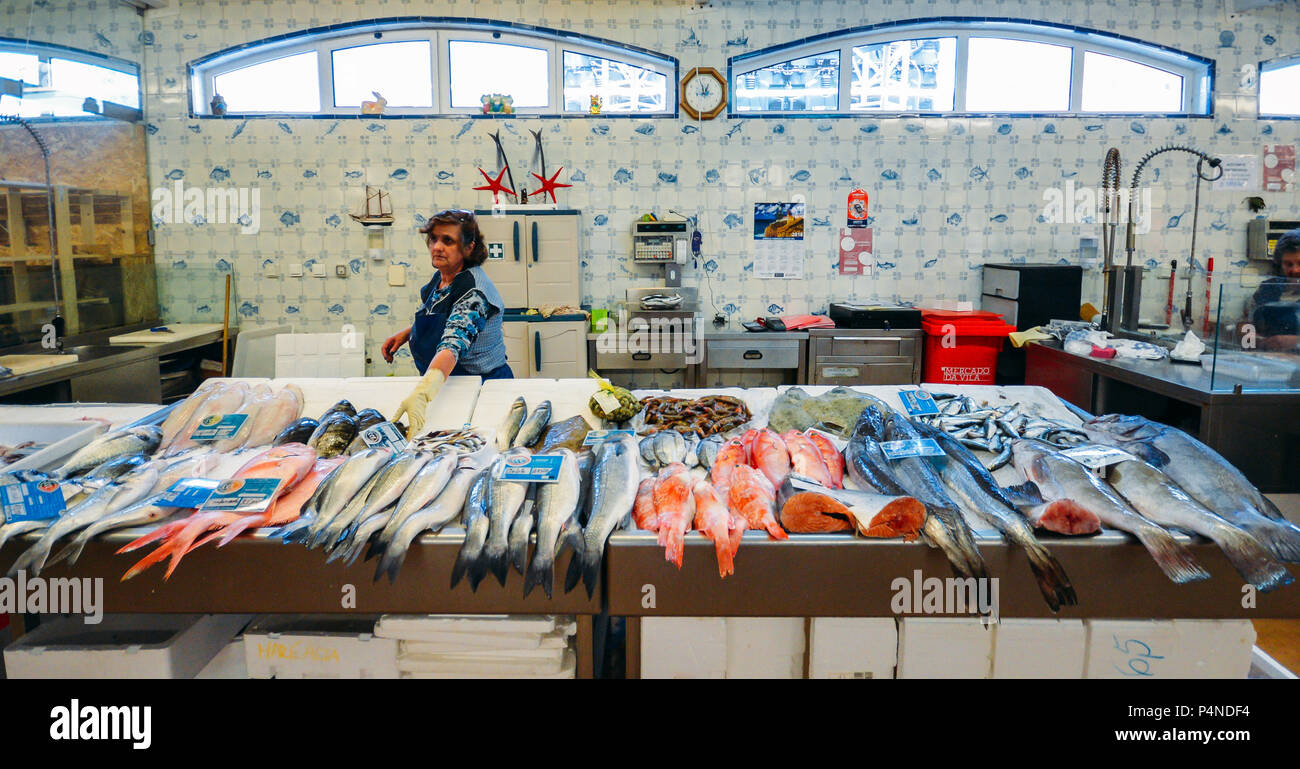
(119, 443)
(557, 523)
(978, 492)
(1204, 475)
(1156, 496)
(1061, 479)
(613, 490)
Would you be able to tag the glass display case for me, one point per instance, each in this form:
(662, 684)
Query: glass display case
(1255, 343)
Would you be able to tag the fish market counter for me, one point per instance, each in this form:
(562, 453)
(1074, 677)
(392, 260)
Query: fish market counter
(1256, 430)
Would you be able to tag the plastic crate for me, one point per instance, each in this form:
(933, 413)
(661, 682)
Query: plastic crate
(962, 347)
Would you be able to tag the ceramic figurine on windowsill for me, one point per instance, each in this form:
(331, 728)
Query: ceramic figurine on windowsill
(375, 107)
(595, 104)
(218, 104)
(497, 104)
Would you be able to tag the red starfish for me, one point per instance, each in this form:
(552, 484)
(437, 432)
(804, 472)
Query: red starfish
(549, 185)
(494, 185)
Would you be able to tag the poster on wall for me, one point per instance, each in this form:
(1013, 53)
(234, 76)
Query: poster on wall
(778, 240)
(855, 251)
(1279, 168)
(1240, 172)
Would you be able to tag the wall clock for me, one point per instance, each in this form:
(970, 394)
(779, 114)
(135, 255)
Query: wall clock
(704, 93)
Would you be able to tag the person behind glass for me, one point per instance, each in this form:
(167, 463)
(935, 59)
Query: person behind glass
(457, 328)
(1274, 309)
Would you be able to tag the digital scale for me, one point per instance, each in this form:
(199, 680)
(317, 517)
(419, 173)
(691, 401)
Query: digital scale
(665, 243)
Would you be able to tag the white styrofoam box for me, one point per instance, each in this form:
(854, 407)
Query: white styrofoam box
(683, 647)
(1169, 648)
(61, 440)
(852, 647)
(567, 669)
(320, 355)
(944, 647)
(228, 664)
(1039, 648)
(437, 627)
(568, 397)
(765, 647)
(255, 351)
(306, 646)
(122, 646)
(450, 408)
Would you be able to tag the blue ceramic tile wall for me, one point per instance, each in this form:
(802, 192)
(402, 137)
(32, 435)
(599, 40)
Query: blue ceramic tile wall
(947, 194)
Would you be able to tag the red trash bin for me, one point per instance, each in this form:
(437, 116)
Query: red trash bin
(962, 347)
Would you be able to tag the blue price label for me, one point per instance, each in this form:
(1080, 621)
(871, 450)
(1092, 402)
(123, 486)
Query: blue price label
(384, 435)
(189, 492)
(219, 427)
(918, 402)
(596, 437)
(246, 495)
(33, 501)
(531, 469)
(923, 447)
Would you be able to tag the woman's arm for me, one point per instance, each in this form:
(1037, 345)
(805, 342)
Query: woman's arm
(467, 318)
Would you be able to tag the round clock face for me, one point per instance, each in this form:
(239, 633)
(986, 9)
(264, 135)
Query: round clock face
(704, 93)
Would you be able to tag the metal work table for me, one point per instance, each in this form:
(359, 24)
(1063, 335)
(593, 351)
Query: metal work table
(725, 348)
(259, 575)
(1257, 431)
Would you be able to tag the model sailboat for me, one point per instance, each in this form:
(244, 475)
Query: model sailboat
(378, 211)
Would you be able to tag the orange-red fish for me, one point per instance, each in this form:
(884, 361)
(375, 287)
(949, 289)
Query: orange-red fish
(643, 510)
(729, 456)
(752, 498)
(805, 459)
(713, 520)
(675, 507)
(771, 457)
(830, 455)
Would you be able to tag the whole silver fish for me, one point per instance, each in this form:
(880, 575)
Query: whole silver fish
(520, 531)
(17, 528)
(505, 498)
(114, 445)
(509, 428)
(707, 450)
(422, 490)
(557, 516)
(107, 500)
(1204, 475)
(613, 490)
(1156, 496)
(1061, 479)
(345, 483)
(444, 509)
(476, 524)
(531, 430)
(389, 484)
(980, 493)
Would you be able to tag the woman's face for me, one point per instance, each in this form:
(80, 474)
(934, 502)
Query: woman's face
(445, 249)
(1291, 265)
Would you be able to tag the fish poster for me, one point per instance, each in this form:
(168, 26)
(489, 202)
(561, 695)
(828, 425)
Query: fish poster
(778, 240)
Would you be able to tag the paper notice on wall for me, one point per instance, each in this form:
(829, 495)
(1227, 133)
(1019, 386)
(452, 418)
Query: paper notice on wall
(1279, 168)
(1240, 172)
(855, 251)
(778, 240)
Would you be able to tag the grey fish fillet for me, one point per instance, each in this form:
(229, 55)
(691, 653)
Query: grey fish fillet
(441, 511)
(476, 526)
(1205, 475)
(613, 490)
(531, 430)
(557, 507)
(1060, 478)
(965, 475)
(509, 428)
(944, 525)
(505, 498)
(1156, 496)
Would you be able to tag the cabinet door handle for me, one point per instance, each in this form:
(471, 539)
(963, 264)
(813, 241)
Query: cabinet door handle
(535, 254)
(516, 241)
(537, 350)
(640, 356)
(753, 355)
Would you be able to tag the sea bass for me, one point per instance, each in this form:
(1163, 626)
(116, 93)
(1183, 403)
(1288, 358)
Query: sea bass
(505, 499)
(510, 425)
(1060, 478)
(444, 509)
(1157, 497)
(557, 523)
(113, 445)
(613, 490)
(531, 430)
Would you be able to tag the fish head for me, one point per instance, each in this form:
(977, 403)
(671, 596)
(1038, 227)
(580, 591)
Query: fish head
(870, 424)
(1024, 452)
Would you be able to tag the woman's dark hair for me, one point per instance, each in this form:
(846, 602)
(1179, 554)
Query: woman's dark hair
(1289, 243)
(471, 236)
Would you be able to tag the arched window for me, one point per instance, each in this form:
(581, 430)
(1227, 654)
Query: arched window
(433, 67)
(39, 80)
(1279, 88)
(969, 66)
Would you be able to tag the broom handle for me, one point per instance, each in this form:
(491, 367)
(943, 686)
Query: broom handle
(225, 331)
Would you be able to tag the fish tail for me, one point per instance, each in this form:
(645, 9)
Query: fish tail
(1251, 559)
(296, 531)
(574, 574)
(498, 564)
(458, 569)
(70, 552)
(1173, 558)
(390, 563)
(162, 532)
(157, 556)
(354, 552)
(1051, 577)
(588, 565)
(519, 557)
(675, 546)
(1281, 538)
(736, 531)
(774, 529)
(31, 561)
(722, 548)
(541, 571)
(937, 535)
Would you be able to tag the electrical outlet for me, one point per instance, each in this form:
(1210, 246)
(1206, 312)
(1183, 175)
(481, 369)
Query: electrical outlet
(341, 270)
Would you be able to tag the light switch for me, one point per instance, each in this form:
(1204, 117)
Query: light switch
(295, 270)
(318, 270)
(396, 275)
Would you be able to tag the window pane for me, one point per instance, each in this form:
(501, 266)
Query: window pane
(1017, 76)
(478, 69)
(622, 87)
(401, 72)
(904, 75)
(75, 78)
(1112, 84)
(1279, 90)
(288, 84)
(808, 84)
(21, 66)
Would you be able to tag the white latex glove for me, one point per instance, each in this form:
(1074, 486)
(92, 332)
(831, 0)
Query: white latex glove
(415, 404)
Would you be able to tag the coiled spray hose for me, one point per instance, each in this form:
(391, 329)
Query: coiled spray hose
(1130, 239)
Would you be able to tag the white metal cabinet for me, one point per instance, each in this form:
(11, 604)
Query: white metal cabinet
(547, 350)
(533, 259)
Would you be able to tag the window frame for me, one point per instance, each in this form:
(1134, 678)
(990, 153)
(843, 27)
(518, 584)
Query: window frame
(439, 31)
(1281, 62)
(46, 51)
(1197, 71)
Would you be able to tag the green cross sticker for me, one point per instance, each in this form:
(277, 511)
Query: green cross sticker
(496, 250)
